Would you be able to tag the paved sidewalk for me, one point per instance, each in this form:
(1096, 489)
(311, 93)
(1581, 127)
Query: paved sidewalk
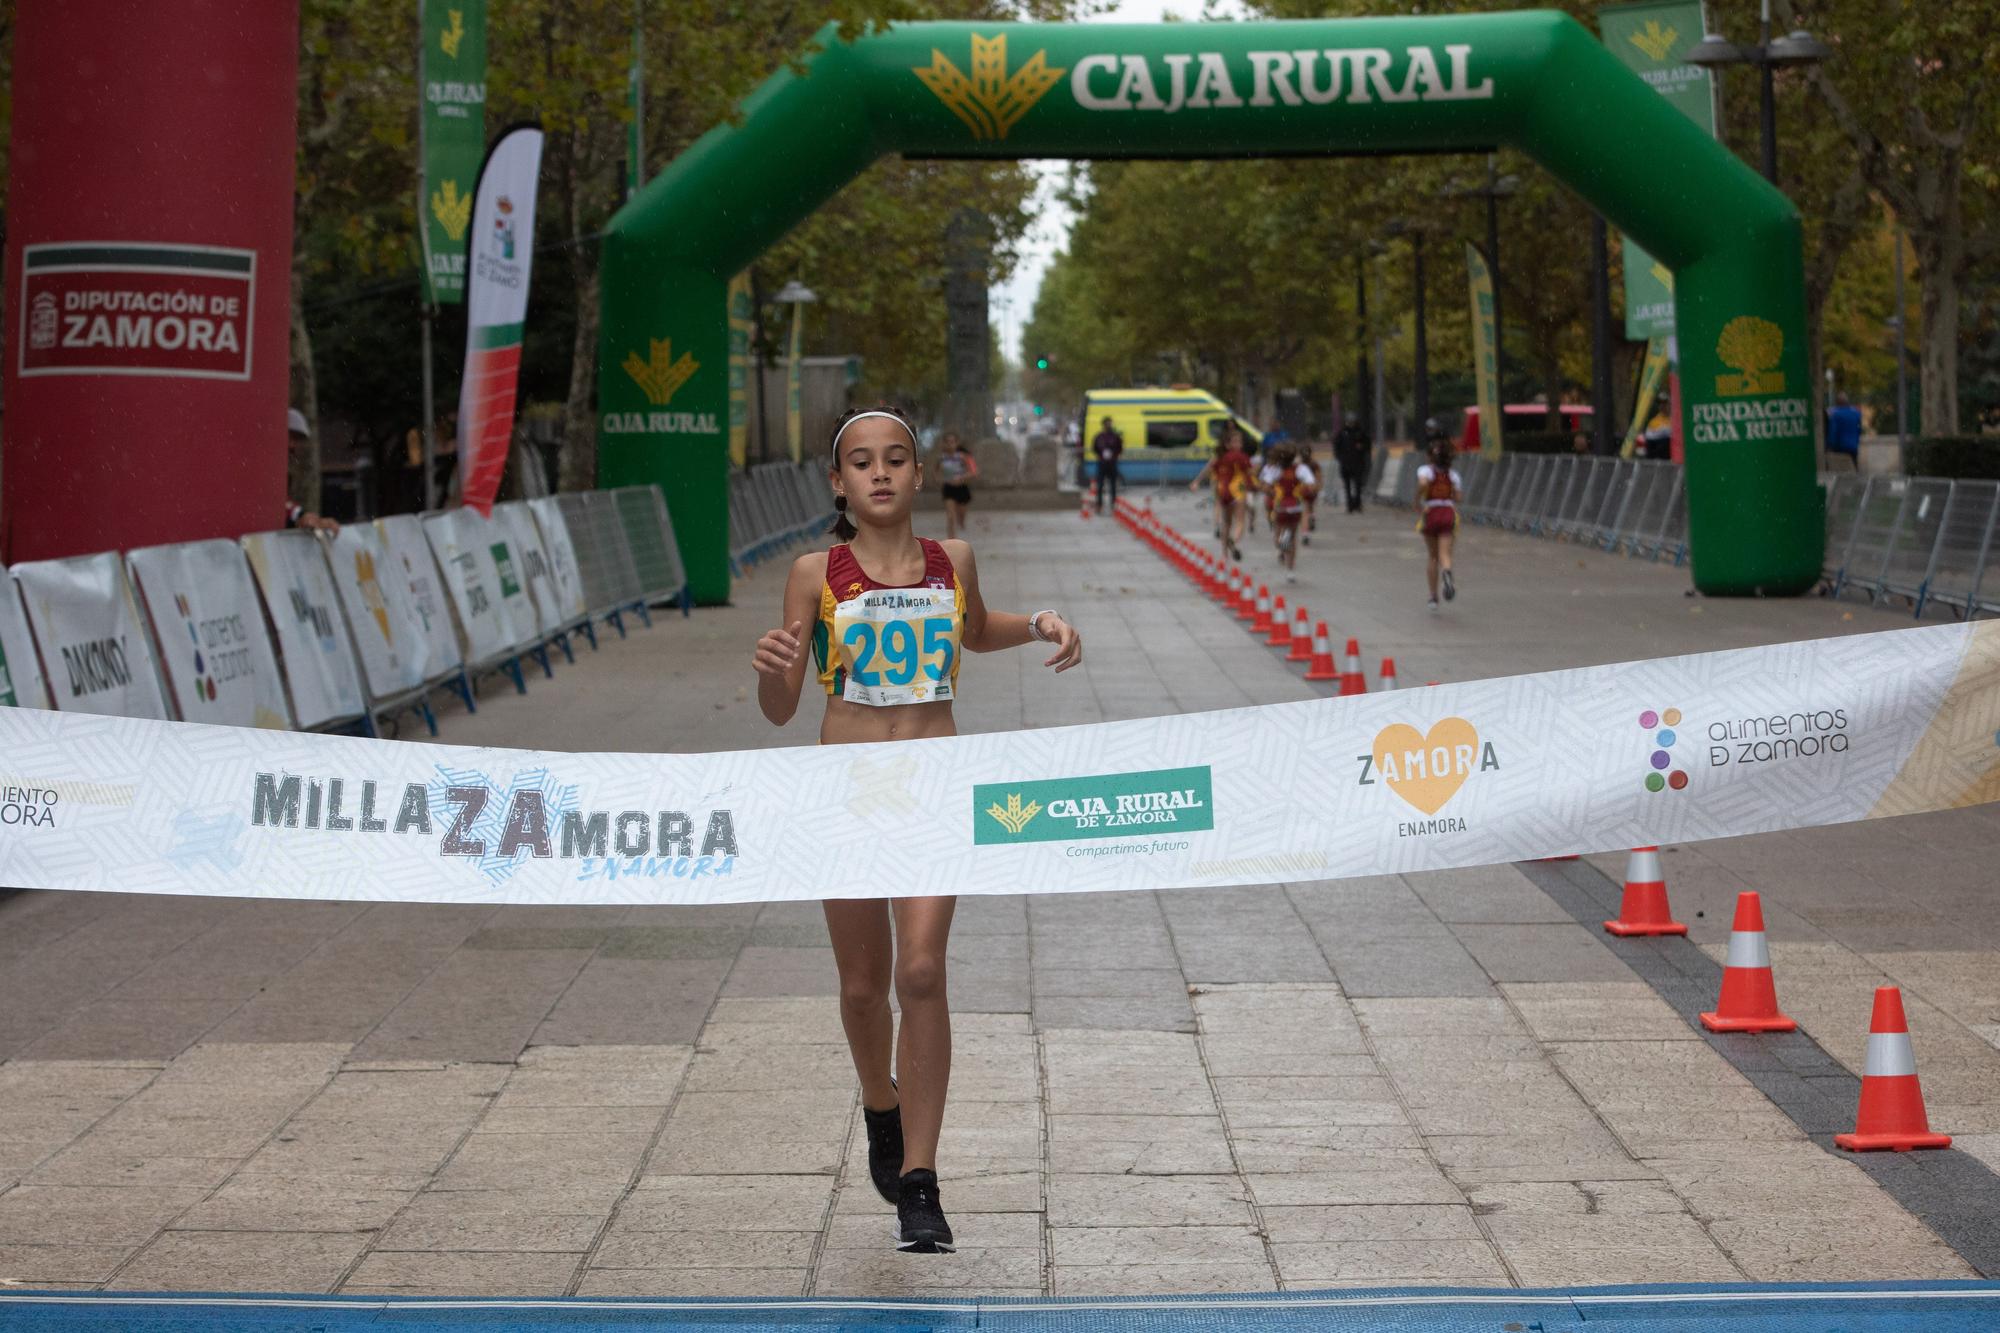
(1425, 1078)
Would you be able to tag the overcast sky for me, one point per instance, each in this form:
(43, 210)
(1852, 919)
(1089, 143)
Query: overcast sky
(1014, 300)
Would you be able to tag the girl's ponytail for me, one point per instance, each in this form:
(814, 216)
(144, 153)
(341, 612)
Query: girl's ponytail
(843, 526)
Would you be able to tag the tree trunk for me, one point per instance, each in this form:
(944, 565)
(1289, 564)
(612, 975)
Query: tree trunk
(302, 456)
(1938, 335)
(578, 469)
(1550, 361)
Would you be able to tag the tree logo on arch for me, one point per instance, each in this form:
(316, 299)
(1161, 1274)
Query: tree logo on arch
(1752, 346)
(660, 375)
(992, 101)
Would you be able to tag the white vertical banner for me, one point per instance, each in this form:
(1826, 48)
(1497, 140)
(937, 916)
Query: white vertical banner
(387, 630)
(98, 658)
(564, 572)
(214, 648)
(319, 659)
(531, 562)
(500, 251)
(413, 565)
(21, 684)
(474, 584)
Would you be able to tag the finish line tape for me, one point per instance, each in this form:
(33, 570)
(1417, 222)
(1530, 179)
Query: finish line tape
(1599, 758)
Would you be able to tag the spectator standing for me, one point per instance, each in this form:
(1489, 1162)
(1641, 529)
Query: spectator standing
(1843, 436)
(1351, 449)
(1108, 445)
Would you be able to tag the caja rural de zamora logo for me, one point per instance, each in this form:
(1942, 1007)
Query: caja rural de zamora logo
(991, 101)
(1427, 768)
(660, 374)
(1661, 772)
(1656, 41)
(1105, 805)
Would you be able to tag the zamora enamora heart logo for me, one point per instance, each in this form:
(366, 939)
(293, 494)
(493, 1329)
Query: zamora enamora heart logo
(1426, 769)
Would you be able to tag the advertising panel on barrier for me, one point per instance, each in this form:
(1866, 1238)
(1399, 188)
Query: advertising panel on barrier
(531, 563)
(458, 538)
(649, 535)
(564, 573)
(416, 568)
(214, 648)
(98, 658)
(21, 683)
(318, 656)
(386, 628)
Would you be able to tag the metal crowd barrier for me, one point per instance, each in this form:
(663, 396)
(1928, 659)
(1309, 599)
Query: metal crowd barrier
(332, 643)
(1928, 541)
(772, 506)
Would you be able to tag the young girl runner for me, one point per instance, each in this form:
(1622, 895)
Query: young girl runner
(1230, 471)
(1438, 492)
(1289, 483)
(957, 469)
(889, 612)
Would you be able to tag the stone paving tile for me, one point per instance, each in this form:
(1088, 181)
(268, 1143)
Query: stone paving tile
(295, 1203)
(888, 1272)
(1101, 1245)
(424, 1273)
(92, 1215)
(1081, 1201)
(241, 1261)
(1596, 1011)
(663, 1282)
(60, 1265)
(1389, 1262)
(1139, 1279)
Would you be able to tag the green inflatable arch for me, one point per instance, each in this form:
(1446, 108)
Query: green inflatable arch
(1536, 81)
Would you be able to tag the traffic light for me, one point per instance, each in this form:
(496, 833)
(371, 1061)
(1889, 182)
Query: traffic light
(1038, 409)
(1042, 363)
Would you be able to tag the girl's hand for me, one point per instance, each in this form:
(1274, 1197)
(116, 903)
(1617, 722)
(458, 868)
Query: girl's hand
(778, 651)
(1069, 644)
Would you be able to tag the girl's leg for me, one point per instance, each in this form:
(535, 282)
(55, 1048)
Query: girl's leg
(1431, 563)
(863, 953)
(1442, 549)
(923, 1049)
(950, 519)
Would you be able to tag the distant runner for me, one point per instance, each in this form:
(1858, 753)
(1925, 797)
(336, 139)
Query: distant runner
(1290, 484)
(1312, 495)
(1230, 471)
(956, 468)
(1438, 491)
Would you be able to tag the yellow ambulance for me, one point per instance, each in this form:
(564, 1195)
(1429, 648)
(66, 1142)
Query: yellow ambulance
(1169, 433)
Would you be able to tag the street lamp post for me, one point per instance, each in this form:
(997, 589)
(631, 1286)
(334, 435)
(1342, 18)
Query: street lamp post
(1901, 323)
(1797, 47)
(1496, 188)
(1361, 335)
(793, 294)
(1422, 365)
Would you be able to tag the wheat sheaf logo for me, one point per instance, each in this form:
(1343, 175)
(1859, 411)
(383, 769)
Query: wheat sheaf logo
(449, 39)
(661, 375)
(452, 209)
(1753, 346)
(1655, 40)
(992, 100)
(1014, 816)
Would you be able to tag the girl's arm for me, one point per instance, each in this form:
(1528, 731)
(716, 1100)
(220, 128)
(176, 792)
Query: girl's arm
(1202, 475)
(990, 631)
(780, 656)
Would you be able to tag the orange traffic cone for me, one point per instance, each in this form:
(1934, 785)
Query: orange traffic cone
(1260, 621)
(1388, 673)
(1089, 501)
(1749, 1000)
(1321, 666)
(1246, 599)
(1644, 910)
(1352, 681)
(1281, 633)
(1302, 639)
(1891, 1114)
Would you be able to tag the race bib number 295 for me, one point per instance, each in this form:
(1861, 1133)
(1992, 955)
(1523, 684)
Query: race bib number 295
(898, 645)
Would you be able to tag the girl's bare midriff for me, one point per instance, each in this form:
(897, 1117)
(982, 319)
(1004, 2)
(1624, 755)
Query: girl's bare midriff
(855, 724)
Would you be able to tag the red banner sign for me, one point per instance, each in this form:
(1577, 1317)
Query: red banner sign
(132, 309)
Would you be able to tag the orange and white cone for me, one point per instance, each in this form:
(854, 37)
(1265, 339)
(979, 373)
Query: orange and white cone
(1891, 1114)
(1321, 666)
(1352, 679)
(1749, 1000)
(1644, 910)
(1281, 633)
(1388, 673)
(1089, 501)
(1260, 621)
(1302, 638)
(1246, 598)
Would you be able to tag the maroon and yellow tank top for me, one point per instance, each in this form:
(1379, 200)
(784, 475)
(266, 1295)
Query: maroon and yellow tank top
(883, 644)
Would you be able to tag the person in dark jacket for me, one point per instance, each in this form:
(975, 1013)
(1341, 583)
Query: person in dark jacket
(1351, 448)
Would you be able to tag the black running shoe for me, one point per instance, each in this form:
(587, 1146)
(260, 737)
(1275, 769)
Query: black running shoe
(920, 1224)
(1450, 591)
(885, 1150)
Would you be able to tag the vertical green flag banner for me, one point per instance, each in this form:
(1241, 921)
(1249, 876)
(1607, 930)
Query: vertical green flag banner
(1485, 359)
(794, 416)
(452, 74)
(1651, 380)
(1653, 39)
(742, 323)
(1535, 81)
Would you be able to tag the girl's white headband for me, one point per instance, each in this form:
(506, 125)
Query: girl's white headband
(863, 416)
